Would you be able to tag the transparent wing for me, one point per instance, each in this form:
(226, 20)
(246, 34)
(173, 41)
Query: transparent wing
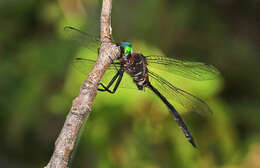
(85, 65)
(82, 38)
(191, 70)
(179, 96)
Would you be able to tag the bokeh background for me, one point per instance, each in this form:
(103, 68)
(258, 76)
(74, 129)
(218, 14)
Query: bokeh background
(130, 128)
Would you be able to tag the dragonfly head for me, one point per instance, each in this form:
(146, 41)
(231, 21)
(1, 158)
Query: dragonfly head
(126, 49)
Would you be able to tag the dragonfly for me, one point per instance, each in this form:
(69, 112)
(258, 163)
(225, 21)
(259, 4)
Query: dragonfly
(138, 67)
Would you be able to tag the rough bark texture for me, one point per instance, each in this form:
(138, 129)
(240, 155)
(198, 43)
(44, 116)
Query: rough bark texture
(82, 104)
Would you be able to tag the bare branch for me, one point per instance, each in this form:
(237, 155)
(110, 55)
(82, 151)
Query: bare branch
(82, 104)
(105, 21)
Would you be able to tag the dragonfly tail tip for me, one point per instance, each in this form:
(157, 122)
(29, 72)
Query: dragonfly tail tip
(193, 143)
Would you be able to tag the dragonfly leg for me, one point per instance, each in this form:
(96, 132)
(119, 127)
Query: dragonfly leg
(114, 63)
(118, 77)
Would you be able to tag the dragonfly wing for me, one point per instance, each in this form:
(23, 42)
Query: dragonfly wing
(82, 38)
(179, 96)
(83, 65)
(191, 70)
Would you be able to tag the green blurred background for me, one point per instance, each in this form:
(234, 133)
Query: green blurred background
(130, 128)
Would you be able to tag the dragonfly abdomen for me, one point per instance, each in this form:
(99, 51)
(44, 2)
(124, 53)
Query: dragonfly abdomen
(175, 114)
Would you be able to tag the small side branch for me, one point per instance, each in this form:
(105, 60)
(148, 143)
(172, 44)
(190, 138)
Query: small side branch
(82, 104)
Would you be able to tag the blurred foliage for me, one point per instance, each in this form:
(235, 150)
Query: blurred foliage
(130, 128)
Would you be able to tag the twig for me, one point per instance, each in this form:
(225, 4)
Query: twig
(82, 104)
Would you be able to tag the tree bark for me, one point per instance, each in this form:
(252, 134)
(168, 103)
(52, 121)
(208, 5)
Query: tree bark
(82, 104)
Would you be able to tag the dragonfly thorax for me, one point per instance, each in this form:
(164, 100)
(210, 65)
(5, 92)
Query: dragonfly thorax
(136, 67)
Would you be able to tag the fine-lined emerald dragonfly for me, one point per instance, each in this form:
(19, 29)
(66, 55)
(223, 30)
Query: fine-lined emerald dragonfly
(137, 66)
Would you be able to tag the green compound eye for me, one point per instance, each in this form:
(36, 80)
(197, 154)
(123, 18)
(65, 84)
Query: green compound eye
(128, 49)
